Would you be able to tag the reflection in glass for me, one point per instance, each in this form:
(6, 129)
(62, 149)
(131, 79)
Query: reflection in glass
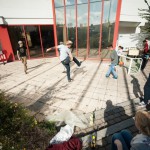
(82, 19)
(16, 33)
(59, 3)
(68, 31)
(33, 39)
(48, 39)
(71, 26)
(95, 16)
(70, 2)
(108, 26)
(60, 25)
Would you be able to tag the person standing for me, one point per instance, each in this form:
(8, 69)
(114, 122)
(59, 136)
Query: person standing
(22, 55)
(146, 99)
(146, 46)
(66, 57)
(119, 53)
(61, 43)
(145, 55)
(114, 62)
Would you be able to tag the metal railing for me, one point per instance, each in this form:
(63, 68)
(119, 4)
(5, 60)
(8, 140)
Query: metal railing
(133, 65)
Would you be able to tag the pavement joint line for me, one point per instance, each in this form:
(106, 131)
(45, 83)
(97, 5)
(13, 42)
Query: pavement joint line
(32, 77)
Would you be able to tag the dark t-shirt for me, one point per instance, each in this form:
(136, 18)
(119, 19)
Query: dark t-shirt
(22, 51)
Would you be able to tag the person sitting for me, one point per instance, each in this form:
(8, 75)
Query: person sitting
(124, 139)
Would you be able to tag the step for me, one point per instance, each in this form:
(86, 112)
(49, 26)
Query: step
(106, 117)
(106, 132)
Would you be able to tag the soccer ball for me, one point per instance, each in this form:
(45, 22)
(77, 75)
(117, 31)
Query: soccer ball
(121, 63)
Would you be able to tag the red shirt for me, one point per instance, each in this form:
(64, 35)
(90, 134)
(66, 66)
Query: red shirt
(145, 47)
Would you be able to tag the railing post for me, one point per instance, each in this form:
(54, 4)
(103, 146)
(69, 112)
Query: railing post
(130, 66)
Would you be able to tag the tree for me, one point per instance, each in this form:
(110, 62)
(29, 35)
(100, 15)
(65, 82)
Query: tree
(145, 13)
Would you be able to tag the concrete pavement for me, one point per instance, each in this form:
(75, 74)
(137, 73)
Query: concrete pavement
(45, 90)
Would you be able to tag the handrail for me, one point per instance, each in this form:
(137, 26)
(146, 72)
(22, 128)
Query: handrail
(131, 62)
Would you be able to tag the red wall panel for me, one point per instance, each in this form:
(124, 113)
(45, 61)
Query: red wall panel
(6, 44)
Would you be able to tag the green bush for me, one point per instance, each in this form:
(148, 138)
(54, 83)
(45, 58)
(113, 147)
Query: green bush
(19, 130)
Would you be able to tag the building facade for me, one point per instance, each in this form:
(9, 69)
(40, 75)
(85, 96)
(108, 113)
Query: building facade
(131, 23)
(90, 24)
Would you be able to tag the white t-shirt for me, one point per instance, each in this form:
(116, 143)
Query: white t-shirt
(64, 52)
(119, 52)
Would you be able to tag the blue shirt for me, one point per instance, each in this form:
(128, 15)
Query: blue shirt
(64, 52)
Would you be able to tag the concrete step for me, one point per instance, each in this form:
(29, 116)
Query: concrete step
(112, 114)
(109, 121)
(104, 135)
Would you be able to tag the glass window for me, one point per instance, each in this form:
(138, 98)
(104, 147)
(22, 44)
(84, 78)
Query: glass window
(16, 33)
(59, 3)
(70, 2)
(82, 20)
(108, 26)
(33, 39)
(60, 25)
(47, 34)
(82, 2)
(71, 26)
(66, 29)
(94, 30)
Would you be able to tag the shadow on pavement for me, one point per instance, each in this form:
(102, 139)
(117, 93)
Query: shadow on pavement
(136, 87)
(36, 67)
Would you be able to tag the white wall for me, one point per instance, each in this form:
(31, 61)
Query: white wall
(27, 11)
(129, 32)
(130, 12)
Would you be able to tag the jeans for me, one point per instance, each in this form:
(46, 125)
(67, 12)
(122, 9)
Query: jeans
(111, 70)
(67, 66)
(124, 137)
(145, 58)
(147, 91)
(24, 61)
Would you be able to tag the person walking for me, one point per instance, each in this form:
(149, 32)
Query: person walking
(114, 62)
(125, 141)
(22, 55)
(66, 56)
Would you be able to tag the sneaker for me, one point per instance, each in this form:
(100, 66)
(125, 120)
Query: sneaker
(80, 63)
(115, 77)
(70, 80)
(107, 76)
(148, 106)
(142, 103)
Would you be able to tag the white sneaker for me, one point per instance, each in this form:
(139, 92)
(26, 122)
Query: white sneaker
(142, 104)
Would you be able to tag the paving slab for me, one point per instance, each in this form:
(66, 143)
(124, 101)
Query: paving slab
(45, 90)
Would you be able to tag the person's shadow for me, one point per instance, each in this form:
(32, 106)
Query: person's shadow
(136, 87)
(112, 116)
